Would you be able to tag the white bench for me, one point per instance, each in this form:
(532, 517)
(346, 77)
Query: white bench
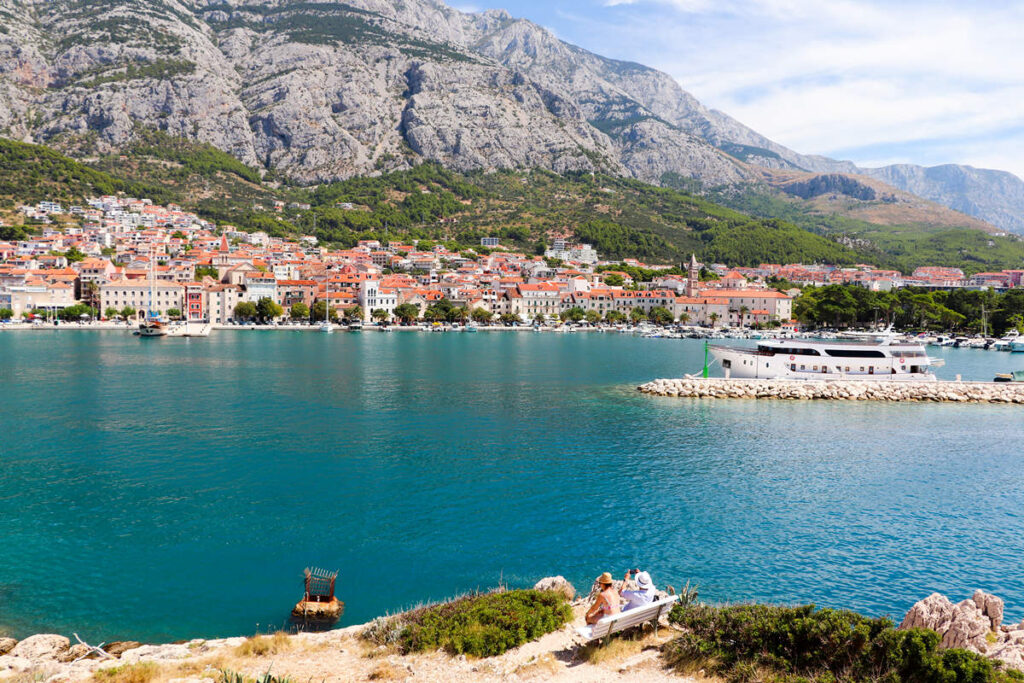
(634, 617)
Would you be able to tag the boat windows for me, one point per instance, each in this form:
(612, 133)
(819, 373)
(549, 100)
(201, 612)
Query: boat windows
(788, 351)
(854, 353)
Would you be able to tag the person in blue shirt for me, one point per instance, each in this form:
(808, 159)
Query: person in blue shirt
(643, 595)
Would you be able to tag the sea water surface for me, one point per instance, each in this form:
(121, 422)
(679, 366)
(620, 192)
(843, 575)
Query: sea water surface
(172, 488)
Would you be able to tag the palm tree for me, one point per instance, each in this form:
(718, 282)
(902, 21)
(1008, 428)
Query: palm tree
(684, 318)
(743, 315)
(714, 319)
(91, 295)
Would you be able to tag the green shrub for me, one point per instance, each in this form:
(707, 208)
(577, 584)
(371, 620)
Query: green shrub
(485, 625)
(759, 642)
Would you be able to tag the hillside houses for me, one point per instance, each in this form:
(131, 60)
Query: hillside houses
(126, 254)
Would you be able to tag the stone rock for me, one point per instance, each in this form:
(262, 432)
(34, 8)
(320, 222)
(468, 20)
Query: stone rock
(10, 665)
(45, 646)
(156, 652)
(970, 625)
(991, 607)
(558, 584)
(119, 647)
(74, 652)
(1010, 654)
(6, 645)
(934, 612)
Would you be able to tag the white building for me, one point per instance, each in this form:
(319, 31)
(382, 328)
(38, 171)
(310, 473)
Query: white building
(372, 297)
(221, 301)
(157, 296)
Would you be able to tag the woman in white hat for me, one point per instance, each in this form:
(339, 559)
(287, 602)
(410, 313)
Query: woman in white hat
(643, 595)
(607, 601)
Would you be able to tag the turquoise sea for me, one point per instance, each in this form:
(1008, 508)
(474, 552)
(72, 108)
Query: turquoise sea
(172, 488)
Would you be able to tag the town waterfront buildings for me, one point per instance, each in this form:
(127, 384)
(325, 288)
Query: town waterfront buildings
(125, 256)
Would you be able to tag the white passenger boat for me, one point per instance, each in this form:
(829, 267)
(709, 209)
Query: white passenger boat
(828, 360)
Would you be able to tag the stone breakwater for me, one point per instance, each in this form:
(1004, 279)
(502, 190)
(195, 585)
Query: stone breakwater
(838, 390)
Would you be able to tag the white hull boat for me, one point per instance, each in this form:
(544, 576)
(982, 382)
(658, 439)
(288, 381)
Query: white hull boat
(187, 329)
(832, 360)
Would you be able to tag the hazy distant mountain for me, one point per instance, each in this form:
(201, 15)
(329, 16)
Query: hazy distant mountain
(994, 196)
(327, 90)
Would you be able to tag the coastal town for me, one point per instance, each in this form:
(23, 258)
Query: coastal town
(115, 258)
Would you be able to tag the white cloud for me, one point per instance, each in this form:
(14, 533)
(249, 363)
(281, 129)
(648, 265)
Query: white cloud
(823, 76)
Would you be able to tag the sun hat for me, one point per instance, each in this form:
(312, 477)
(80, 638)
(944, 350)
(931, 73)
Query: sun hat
(605, 578)
(643, 580)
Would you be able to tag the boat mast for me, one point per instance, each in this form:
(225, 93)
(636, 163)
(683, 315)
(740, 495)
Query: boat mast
(149, 307)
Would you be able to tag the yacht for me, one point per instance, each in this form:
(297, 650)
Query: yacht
(152, 327)
(828, 360)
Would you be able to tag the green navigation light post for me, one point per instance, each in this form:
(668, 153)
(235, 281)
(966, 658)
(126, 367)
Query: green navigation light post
(705, 375)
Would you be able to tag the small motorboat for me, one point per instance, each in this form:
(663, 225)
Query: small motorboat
(1015, 376)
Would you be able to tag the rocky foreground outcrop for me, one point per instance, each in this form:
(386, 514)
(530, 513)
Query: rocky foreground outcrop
(975, 624)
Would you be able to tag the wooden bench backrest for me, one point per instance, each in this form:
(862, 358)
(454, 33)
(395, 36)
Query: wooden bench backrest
(633, 617)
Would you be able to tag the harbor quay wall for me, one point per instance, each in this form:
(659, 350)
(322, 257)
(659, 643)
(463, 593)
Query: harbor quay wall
(838, 390)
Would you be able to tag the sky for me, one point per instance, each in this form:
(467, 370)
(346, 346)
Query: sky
(872, 81)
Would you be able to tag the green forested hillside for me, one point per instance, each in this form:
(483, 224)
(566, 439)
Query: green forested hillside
(30, 173)
(901, 246)
(526, 209)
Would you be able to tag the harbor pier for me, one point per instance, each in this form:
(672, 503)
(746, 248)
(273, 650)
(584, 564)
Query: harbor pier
(838, 390)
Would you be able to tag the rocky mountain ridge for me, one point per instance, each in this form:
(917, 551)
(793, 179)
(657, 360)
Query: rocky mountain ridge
(327, 90)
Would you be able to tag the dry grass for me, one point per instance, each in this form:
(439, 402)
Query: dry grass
(621, 647)
(143, 672)
(612, 653)
(208, 665)
(991, 637)
(545, 666)
(261, 646)
(386, 671)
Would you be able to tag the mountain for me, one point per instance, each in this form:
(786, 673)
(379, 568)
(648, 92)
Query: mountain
(321, 91)
(993, 196)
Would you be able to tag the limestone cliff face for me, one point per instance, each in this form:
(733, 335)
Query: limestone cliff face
(993, 196)
(326, 90)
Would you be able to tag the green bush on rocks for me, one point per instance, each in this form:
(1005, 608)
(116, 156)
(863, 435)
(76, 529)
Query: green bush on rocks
(789, 644)
(482, 625)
